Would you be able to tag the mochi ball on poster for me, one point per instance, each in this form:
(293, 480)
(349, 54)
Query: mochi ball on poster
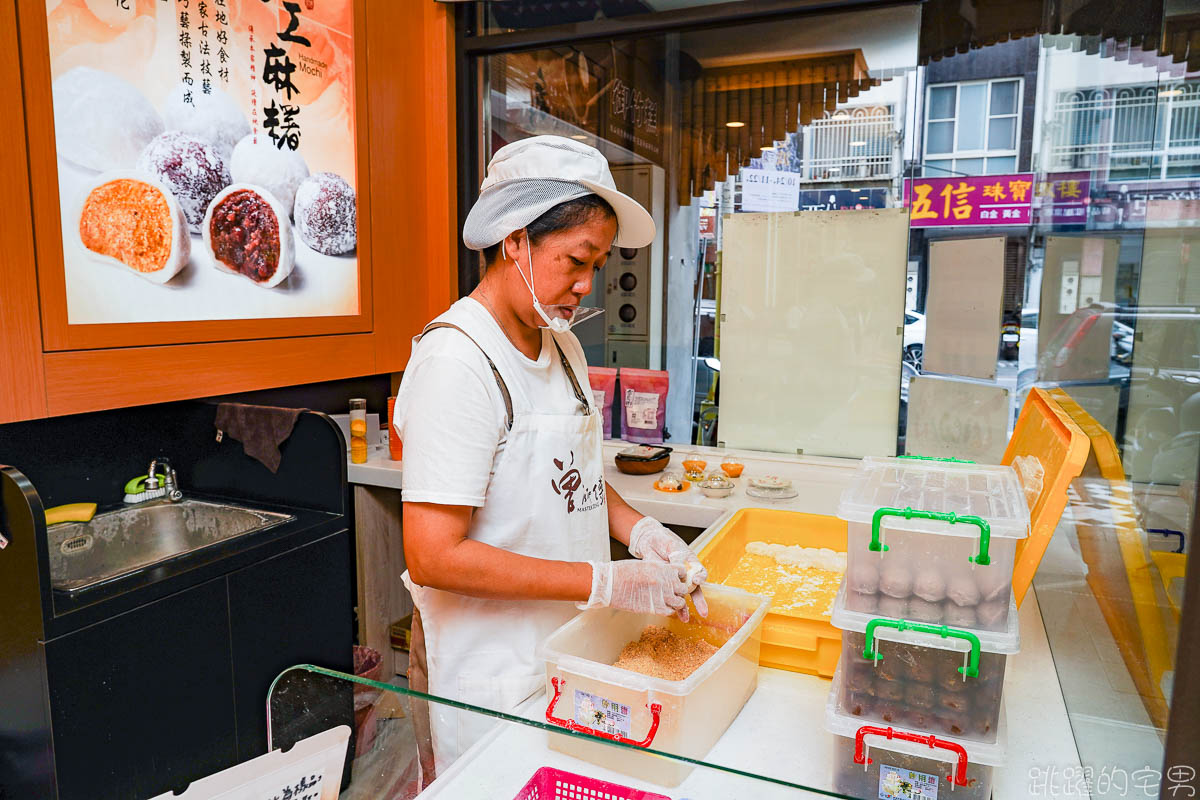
(279, 171)
(131, 221)
(326, 214)
(190, 167)
(101, 122)
(247, 232)
(213, 117)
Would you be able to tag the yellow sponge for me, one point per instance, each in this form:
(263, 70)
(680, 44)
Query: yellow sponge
(71, 512)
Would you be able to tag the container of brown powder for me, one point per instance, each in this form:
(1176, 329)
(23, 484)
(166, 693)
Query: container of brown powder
(703, 672)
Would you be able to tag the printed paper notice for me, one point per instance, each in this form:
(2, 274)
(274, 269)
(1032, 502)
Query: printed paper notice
(906, 784)
(770, 190)
(601, 715)
(641, 410)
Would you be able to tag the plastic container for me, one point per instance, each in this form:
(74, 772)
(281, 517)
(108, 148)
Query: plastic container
(1046, 431)
(806, 643)
(890, 762)
(717, 485)
(933, 531)
(943, 680)
(549, 783)
(588, 695)
(358, 430)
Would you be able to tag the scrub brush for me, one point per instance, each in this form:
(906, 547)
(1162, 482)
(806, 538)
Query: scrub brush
(136, 491)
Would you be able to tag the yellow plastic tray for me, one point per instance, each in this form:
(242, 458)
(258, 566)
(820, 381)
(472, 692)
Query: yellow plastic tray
(798, 644)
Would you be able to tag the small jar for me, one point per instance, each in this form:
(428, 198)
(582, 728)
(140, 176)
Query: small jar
(358, 430)
(694, 466)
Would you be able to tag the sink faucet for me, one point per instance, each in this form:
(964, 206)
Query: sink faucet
(169, 484)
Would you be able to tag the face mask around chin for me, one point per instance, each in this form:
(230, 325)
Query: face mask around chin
(552, 314)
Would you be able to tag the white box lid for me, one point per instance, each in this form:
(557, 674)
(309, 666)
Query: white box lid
(933, 486)
(1005, 642)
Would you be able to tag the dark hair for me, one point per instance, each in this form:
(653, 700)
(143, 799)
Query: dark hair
(560, 218)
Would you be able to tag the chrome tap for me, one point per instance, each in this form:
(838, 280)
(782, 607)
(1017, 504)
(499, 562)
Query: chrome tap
(169, 483)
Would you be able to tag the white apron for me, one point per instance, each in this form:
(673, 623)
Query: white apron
(546, 499)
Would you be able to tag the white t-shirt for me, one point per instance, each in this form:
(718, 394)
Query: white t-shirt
(450, 413)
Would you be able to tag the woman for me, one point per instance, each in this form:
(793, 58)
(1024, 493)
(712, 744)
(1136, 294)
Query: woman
(506, 511)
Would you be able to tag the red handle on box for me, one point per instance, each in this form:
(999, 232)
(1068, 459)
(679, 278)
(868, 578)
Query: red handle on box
(959, 778)
(572, 725)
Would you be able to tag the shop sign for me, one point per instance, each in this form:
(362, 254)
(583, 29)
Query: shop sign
(770, 190)
(842, 199)
(708, 223)
(159, 108)
(969, 200)
(1062, 198)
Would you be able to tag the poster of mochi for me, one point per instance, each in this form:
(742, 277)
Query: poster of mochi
(206, 158)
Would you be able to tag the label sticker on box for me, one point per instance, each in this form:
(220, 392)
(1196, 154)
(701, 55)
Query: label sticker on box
(641, 409)
(601, 714)
(598, 398)
(896, 783)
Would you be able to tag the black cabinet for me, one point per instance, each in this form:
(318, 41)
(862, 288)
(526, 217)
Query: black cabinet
(152, 699)
(143, 703)
(143, 684)
(288, 610)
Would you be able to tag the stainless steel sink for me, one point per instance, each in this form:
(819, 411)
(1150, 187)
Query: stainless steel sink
(118, 543)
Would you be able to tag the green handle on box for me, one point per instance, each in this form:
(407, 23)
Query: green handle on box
(985, 528)
(972, 668)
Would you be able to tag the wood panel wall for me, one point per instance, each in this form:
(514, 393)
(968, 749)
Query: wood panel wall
(409, 205)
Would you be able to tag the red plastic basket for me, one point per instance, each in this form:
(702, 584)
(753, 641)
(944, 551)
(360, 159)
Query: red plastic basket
(556, 784)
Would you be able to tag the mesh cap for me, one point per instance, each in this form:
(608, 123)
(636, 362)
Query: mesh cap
(529, 177)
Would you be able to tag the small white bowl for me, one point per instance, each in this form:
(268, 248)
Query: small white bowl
(716, 491)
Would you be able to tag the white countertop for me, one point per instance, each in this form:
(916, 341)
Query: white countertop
(781, 731)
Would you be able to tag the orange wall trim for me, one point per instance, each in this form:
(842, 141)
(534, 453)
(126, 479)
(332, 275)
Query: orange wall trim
(98, 379)
(22, 385)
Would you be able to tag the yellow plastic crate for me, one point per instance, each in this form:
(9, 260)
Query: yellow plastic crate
(808, 644)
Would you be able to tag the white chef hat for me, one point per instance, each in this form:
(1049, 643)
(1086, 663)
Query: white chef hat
(529, 177)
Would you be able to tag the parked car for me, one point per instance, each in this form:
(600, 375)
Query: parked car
(914, 339)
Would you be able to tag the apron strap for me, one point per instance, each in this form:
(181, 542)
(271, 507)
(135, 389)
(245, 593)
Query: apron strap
(508, 406)
(579, 395)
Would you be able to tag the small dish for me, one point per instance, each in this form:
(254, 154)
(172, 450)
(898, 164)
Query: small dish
(716, 485)
(771, 482)
(694, 466)
(672, 482)
(732, 467)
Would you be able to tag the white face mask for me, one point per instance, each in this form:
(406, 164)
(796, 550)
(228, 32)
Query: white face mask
(576, 314)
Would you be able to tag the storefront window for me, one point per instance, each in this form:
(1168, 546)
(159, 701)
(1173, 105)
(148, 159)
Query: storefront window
(863, 253)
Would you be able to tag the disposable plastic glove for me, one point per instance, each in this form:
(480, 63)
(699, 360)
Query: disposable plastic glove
(643, 587)
(653, 541)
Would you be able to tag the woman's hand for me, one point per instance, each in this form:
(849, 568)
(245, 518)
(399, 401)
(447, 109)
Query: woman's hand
(653, 541)
(643, 587)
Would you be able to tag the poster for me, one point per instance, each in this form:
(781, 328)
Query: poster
(969, 200)
(206, 158)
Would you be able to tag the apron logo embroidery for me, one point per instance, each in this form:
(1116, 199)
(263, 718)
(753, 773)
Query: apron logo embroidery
(570, 482)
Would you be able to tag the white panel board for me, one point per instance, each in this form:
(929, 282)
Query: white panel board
(963, 306)
(956, 417)
(813, 306)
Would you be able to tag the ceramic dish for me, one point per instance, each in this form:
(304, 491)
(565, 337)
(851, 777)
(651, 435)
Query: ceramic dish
(643, 459)
(770, 482)
(779, 493)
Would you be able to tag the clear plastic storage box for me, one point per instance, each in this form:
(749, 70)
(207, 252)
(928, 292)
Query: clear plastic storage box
(933, 541)
(588, 695)
(890, 761)
(934, 678)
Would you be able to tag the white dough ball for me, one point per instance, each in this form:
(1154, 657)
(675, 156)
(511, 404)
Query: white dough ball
(263, 164)
(101, 122)
(214, 117)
